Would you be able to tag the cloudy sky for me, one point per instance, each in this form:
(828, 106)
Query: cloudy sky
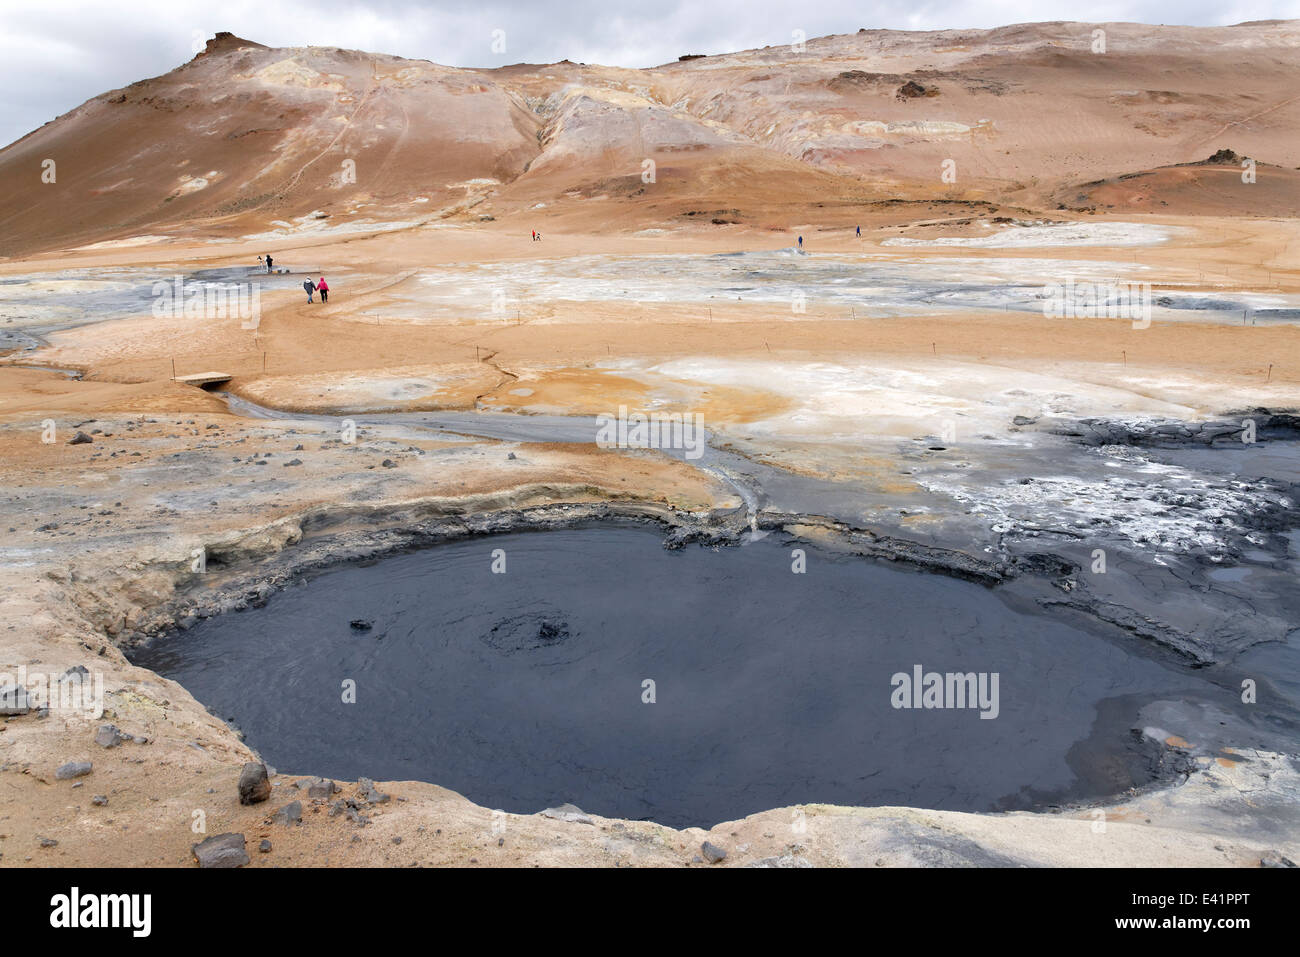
(55, 54)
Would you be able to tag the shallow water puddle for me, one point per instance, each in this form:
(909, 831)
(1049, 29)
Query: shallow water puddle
(807, 284)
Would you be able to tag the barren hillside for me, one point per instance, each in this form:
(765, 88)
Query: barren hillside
(245, 139)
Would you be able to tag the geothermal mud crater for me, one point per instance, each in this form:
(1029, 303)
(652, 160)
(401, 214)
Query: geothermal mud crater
(526, 689)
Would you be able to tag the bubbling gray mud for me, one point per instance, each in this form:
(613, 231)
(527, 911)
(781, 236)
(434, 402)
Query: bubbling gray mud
(526, 689)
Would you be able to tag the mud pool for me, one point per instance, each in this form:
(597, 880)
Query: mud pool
(524, 689)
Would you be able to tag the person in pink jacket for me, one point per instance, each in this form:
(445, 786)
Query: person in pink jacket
(323, 289)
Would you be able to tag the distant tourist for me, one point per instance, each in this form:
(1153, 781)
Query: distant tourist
(323, 289)
(801, 242)
(534, 235)
(268, 262)
(310, 287)
(859, 232)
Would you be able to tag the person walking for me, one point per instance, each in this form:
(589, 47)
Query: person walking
(268, 262)
(859, 232)
(323, 289)
(801, 242)
(310, 287)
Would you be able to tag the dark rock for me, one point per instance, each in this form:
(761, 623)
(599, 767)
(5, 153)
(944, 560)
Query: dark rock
(388, 464)
(911, 90)
(321, 788)
(254, 785)
(712, 853)
(1221, 157)
(289, 815)
(73, 769)
(361, 624)
(81, 438)
(99, 800)
(108, 736)
(223, 850)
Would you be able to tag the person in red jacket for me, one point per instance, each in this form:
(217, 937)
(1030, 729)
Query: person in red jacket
(323, 289)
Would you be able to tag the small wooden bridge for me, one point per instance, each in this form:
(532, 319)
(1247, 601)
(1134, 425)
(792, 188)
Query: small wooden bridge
(204, 379)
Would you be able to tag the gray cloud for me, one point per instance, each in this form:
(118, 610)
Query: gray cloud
(56, 56)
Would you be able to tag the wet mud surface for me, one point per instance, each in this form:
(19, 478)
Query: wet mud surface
(524, 689)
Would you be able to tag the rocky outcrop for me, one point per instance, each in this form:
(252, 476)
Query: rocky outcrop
(1243, 427)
